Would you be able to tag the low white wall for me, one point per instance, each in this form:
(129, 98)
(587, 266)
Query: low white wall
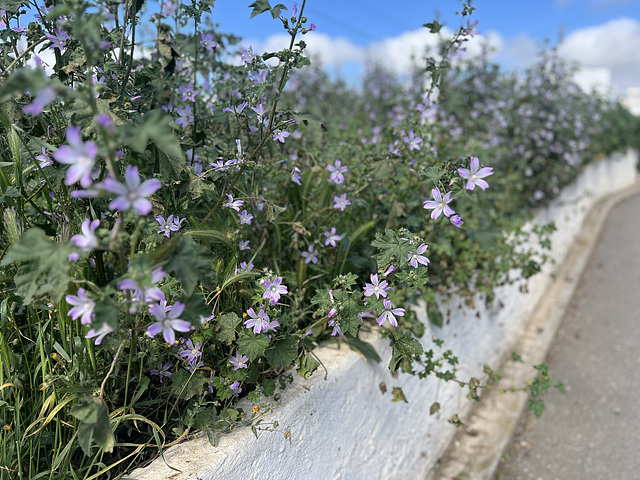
(344, 427)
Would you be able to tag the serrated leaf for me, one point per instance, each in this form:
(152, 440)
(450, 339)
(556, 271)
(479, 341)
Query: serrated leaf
(307, 364)
(259, 6)
(94, 424)
(190, 263)
(184, 385)
(398, 395)
(365, 348)
(434, 27)
(283, 353)
(226, 327)
(403, 350)
(155, 126)
(536, 406)
(43, 269)
(391, 247)
(433, 173)
(252, 345)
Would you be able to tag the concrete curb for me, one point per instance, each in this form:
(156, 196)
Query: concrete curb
(476, 450)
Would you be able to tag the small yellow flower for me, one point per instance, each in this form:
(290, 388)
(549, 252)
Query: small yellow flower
(255, 409)
(244, 314)
(7, 427)
(54, 355)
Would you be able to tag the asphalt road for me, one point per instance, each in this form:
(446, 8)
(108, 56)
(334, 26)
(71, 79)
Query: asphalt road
(592, 431)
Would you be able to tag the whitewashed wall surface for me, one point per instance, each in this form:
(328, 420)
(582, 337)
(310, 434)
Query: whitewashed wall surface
(345, 427)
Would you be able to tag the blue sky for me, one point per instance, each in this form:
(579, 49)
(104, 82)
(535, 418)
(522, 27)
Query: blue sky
(604, 35)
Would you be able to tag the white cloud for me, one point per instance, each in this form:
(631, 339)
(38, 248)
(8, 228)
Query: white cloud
(612, 45)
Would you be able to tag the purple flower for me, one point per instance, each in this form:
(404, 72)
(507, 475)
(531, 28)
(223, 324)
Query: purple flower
(336, 328)
(248, 55)
(273, 290)
(185, 117)
(194, 365)
(207, 42)
(280, 135)
(161, 370)
(239, 361)
(43, 158)
(244, 245)
(58, 40)
(81, 156)
(341, 202)
(311, 256)
(295, 176)
(259, 322)
(439, 204)
(332, 238)
(191, 352)
(337, 171)
(260, 111)
(132, 194)
(245, 218)
(235, 388)
(100, 333)
(376, 287)
(475, 175)
(413, 141)
(188, 93)
(142, 292)
(45, 96)
(416, 257)
(389, 312)
(233, 204)
(456, 220)
(169, 225)
(87, 241)
(244, 268)
(168, 322)
(83, 307)
(259, 77)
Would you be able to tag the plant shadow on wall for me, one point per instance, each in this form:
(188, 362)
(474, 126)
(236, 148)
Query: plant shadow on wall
(179, 231)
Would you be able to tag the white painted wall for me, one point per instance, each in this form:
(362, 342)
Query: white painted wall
(344, 427)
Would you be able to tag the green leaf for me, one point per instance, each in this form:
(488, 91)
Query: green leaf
(435, 408)
(433, 173)
(536, 406)
(11, 6)
(94, 424)
(434, 314)
(392, 247)
(190, 263)
(155, 127)
(283, 353)
(259, 6)
(184, 385)
(307, 364)
(403, 350)
(365, 348)
(226, 328)
(434, 27)
(252, 345)
(398, 395)
(44, 266)
(268, 387)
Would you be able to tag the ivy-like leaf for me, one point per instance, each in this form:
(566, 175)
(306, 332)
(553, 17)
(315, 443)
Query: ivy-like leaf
(226, 327)
(186, 386)
(365, 348)
(398, 395)
(283, 353)
(307, 364)
(43, 267)
(403, 350)
(252, 345)
(190, 263)
(391, 247)
(155, 127)
(94, 424)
